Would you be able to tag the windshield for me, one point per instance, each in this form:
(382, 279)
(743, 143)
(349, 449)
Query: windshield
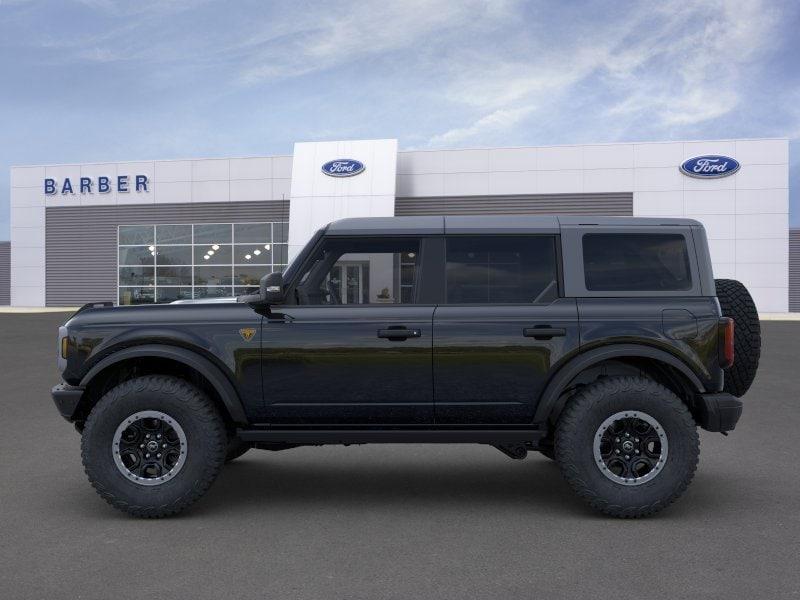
(291, 268)
(298, 260)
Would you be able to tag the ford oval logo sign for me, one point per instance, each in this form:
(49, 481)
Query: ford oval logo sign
(710, 166)
(343, 167)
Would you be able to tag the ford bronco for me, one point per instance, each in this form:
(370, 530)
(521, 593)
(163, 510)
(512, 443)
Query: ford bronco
(601, 343)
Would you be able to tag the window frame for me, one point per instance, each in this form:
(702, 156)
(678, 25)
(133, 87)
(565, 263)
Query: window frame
(556, 240)
(574, 274)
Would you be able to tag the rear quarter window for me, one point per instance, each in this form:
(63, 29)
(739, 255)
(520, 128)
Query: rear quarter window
(636, 262)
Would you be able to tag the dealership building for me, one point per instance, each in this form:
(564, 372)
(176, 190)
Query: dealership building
(160, 230)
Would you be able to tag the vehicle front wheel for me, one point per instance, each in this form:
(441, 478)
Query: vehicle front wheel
(153, 445)
(627, 445)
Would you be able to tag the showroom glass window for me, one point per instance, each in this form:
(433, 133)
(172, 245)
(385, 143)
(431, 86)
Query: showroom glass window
(162, 263)
(636, 262)
(500, 269)
(361, 271)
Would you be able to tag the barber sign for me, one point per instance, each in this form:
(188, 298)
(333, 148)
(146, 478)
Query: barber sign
(710, 166)
(343, 167)
(100, 185)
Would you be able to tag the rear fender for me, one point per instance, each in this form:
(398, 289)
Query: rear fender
(550, 403)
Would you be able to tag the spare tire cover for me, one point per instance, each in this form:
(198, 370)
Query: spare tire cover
(736, 303)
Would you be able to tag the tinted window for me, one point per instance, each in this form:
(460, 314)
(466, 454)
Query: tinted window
(172, 234)
(636, 262)
(136, 275)
(201, 260)
(361, 271)
(212, 233)
(136, 255)
(500, 269)
(256, 233)
(135, 234)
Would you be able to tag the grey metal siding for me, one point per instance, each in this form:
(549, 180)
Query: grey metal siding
(794, 270)
(5, 273)
(81, 241)
(549, 204)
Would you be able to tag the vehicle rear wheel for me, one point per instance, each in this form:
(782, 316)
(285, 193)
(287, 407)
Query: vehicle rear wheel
(235, 449)
(736, 303)
(627, 445)
(153, 445)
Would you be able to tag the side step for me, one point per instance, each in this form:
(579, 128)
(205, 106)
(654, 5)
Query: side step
(392, 436)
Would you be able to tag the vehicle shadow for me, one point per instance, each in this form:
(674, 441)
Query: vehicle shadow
(271, 482)
(534, 486)
(258, 481)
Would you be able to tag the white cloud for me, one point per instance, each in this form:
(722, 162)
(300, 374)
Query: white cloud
(674, 64)
(697, 72)
(301, 42)
(477, 67)
(122, 8)
(497, 121)
(138, 31)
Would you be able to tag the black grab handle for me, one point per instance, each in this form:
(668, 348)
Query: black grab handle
(399, 334)
(544, 333)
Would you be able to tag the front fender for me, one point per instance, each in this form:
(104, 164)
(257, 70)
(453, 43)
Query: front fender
(159, 335)
(221, 384)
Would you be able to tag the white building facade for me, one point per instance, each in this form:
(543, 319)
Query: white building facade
(135, 232)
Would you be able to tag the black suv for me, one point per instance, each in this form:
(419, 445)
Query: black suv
(600, 342)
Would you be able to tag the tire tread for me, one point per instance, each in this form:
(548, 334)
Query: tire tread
(202, 409)
(578, 410)
(736, 302)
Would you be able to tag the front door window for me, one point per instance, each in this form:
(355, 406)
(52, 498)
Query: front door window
(361, 271)
(349, 282)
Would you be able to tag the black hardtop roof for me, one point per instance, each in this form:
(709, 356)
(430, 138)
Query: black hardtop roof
(430, 225)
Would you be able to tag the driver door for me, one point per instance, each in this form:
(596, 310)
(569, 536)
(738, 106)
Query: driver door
(352, 345)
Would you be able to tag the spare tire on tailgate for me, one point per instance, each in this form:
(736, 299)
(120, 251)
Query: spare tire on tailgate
(736, 303)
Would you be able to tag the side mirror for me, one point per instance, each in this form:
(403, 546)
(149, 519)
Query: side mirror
(272, 288)
(270, 291)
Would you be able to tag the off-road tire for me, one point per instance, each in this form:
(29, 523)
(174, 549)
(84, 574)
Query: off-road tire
(235, 449)
(736, 303)
(579, 423)
(205, 443)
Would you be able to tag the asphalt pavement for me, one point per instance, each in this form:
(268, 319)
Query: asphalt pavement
(395, 521)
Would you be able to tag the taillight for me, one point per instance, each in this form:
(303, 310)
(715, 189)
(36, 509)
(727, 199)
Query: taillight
(726, 326)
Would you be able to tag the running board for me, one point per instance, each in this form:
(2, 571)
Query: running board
(391, 436)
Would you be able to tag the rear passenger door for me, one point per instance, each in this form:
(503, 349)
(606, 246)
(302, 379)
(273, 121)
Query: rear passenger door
(502, 327)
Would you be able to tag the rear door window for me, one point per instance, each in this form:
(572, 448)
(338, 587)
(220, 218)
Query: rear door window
(501, 269)
(636, 262)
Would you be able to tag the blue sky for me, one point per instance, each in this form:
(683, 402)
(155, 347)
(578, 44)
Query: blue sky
(102, 80)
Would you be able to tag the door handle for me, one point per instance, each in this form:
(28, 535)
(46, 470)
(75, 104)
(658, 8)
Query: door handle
(279, 318)
(544, 333)
(400, 334)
